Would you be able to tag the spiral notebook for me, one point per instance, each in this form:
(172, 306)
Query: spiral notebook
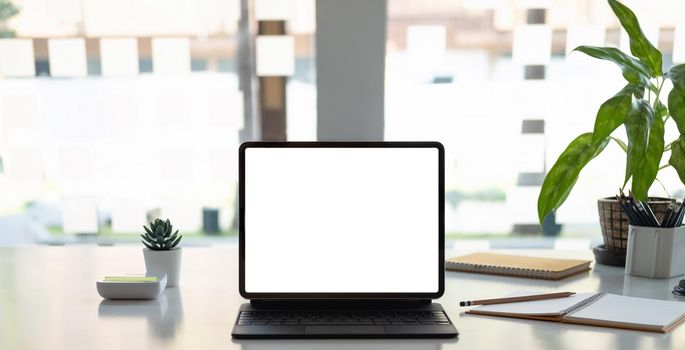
(517, 266)
(594, 309)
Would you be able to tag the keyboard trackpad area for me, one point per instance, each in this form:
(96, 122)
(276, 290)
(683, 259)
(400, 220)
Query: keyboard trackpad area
(333, 330)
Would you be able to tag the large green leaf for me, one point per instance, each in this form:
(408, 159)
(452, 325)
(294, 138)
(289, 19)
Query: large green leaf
(677, 159)
(563, 175)
(613, 111)
(633, 70)
(638, 124)
(677, 76)
(644, 176)
(676, 106)
(676, 98)
(640, 47)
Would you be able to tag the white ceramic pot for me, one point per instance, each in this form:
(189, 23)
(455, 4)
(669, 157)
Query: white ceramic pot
(159, 262)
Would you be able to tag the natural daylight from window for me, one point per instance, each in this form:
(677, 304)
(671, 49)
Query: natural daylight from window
(498, 84)
(116, 112)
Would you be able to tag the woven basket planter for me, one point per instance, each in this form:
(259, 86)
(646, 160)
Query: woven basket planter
(614, 221)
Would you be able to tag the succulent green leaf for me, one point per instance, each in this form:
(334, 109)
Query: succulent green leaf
(638, 124)
(640, 47)
(634, 71)
(563, 175)
(148, 239)
(159, 236)
(677, 160)
(173, 245)
(170, 238)
(613, 111)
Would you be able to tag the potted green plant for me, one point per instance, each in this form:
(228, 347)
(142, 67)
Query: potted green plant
(7, 10)
(162, 256)
(638, 106)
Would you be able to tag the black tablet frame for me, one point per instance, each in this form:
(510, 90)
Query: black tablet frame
(344, 296)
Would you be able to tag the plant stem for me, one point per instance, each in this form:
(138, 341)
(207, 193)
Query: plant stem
(658, 91)
(664, 187)
(664, 166)
(621, 144)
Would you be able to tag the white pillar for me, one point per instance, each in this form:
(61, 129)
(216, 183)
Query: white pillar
(350, 69)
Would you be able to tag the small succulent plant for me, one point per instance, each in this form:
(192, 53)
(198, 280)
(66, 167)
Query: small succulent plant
(159, 236)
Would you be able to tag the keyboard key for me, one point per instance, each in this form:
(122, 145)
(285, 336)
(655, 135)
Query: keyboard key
(337, 317)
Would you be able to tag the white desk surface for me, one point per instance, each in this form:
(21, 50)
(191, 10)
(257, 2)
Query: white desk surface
(48, 301)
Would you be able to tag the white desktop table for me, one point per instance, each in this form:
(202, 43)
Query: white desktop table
(48, 301)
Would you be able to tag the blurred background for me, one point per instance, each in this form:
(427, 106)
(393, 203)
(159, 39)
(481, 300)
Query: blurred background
(113, 113)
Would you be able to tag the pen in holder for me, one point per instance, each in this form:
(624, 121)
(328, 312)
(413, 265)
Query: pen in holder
(655, 249)
(655, 252)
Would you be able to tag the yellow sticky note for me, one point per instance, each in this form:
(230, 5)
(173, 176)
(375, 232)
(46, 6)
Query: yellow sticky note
(131, 279)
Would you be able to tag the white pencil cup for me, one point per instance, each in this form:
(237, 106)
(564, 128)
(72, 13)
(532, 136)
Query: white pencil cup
(655, 252)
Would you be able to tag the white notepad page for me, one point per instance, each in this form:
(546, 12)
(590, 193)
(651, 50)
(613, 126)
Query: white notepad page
(631, 310)
(537, 307)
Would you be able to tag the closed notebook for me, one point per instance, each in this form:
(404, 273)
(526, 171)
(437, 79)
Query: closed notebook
(517, 266)
(594, 309)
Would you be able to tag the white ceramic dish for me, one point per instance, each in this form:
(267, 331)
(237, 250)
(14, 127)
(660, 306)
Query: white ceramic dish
(131, 290)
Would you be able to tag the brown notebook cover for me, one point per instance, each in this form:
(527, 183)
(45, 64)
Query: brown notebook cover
(517, 266)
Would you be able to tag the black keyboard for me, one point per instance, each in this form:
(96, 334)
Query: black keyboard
(333, 318)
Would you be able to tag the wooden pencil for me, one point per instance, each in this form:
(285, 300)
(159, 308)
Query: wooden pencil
(516, 299)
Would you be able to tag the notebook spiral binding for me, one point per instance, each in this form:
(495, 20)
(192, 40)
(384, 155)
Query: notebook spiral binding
(478, 266)
(496, 270)
(584, 303)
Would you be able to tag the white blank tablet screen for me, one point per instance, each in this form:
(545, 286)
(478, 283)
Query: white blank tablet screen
(341, 220)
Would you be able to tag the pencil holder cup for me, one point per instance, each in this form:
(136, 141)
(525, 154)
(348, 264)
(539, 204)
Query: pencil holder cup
(655, 252)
